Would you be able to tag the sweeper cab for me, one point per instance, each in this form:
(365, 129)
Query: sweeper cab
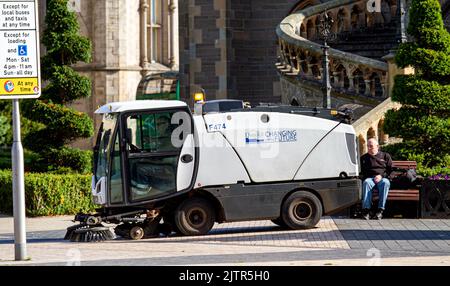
(160, 169)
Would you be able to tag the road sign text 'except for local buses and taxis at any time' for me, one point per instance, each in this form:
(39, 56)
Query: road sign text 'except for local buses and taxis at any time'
(19, 50)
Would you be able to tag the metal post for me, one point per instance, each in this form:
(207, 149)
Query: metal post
(401, 25)
(18, 187)
(326, 89)
(325, 26)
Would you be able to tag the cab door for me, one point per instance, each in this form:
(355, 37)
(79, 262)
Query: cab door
(160, 156)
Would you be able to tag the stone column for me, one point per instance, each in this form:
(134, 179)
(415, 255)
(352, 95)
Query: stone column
(383, 88)
(282, 55)
(143, 34)
(173, 34)
(309, 73)
(367, 91)
(351, 84)
(294, 63)
(299, 61)
(285, 57)
(288, 58)
(301, 72)
(336, 79)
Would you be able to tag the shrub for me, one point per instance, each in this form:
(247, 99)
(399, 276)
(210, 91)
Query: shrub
(49, 194)
(4, 128)
(405, 151)
(26, 125)
(5, 159)
(436, 173)
(62, 124)
(423, 121)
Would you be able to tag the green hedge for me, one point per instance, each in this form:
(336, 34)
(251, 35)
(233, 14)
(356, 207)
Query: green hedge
(49, 194)
(405, 151)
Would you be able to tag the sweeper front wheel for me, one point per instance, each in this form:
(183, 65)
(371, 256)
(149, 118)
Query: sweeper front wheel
(136, 233)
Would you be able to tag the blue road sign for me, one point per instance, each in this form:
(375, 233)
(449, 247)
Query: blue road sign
(23, 50)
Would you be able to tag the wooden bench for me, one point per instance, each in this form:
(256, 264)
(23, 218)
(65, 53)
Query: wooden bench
(401, 195)
(409, 194)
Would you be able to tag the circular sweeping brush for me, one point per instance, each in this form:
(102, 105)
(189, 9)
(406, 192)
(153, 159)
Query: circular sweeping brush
(86, 233)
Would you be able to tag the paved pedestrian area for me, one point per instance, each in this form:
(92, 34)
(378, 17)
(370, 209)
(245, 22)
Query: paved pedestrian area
(265, 233)
(424, 235)
(335, 241)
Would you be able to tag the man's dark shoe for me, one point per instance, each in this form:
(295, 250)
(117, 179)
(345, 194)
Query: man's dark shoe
(379, 214)
(365, 214)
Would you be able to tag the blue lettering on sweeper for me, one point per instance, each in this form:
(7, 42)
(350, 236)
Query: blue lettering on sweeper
(271, 136)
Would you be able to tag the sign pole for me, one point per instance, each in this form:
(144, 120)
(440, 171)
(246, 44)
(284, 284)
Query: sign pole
(19, 79)
(18, 187)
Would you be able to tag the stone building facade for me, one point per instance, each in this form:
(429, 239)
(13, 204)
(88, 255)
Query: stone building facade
(228, 48)
(130, 39)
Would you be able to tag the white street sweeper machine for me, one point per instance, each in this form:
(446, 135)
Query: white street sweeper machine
(161, 169)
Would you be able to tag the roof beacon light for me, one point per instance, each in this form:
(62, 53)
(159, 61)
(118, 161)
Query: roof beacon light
(199, 96)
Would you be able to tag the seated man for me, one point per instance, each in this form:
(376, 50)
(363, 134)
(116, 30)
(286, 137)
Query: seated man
(376, 166)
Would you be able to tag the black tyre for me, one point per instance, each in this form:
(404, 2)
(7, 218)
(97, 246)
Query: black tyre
(279, 221)
(195, 216)
(301, 210)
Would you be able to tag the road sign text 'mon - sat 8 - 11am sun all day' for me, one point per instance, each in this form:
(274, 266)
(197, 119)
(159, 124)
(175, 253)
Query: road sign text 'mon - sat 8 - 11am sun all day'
(19, 50)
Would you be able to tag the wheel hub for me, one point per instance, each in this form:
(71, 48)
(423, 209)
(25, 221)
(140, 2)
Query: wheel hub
(303, 210)
(197, 217)
(136, 233)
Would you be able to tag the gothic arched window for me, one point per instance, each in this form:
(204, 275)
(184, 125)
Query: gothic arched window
(154, 30)
(159, 33)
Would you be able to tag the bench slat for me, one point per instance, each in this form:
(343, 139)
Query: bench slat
(399, 195)
(414, 199)
(400, 198)
(404, 164)
(399, 192)
(404, 191)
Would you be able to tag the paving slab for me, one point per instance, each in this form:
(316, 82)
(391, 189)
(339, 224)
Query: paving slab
(335, 241)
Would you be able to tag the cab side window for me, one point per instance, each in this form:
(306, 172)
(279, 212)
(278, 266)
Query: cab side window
(150, 133)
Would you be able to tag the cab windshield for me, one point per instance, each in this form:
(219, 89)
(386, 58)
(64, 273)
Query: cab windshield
(102, 145)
